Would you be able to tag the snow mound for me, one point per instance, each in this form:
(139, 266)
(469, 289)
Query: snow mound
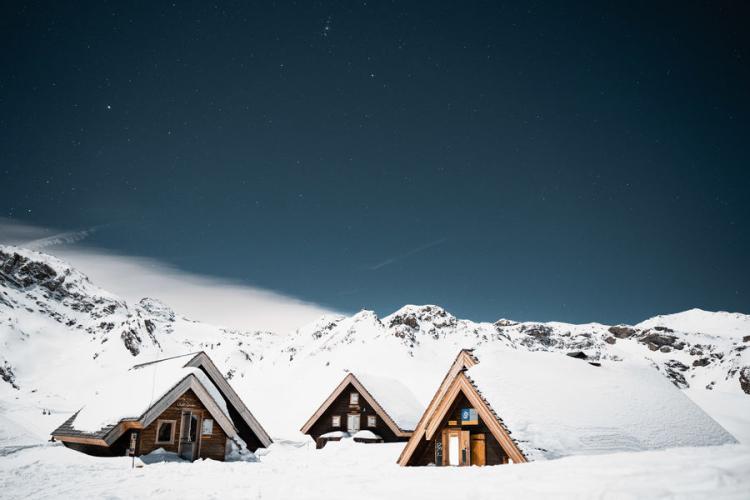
(365, 434)
(555, 405)
(335, 434)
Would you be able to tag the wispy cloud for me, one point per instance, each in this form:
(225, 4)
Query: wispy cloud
(396, 258)
(204, 298)
(66, 238)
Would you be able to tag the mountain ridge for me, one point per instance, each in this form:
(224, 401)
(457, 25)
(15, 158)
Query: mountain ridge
(52, 318)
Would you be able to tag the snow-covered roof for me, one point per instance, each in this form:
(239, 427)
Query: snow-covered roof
(129, 396)
(398, 401)
(555, 405)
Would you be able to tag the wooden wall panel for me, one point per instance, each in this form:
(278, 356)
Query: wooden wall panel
(212, 446)
(340, 406)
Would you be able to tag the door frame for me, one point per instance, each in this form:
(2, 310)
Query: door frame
(464, 445)
(196, 445)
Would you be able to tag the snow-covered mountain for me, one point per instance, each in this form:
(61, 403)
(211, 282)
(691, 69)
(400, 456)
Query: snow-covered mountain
(61, 336)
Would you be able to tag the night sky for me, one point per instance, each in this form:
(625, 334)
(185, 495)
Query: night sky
(539, 161)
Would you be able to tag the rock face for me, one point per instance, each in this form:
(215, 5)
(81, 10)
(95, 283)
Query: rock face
(745, 379)
(7, 375)
(622, 331)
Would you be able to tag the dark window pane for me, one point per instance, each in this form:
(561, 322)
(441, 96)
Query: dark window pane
(165, 432)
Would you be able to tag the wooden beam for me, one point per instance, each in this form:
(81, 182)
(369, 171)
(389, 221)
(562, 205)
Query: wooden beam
(81, 440)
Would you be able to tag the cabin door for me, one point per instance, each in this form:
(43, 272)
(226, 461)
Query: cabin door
(456, 447)
(478, 454)
(352, 423)
(188, 446)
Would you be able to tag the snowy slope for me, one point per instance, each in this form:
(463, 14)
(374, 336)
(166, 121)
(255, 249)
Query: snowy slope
(61, 336)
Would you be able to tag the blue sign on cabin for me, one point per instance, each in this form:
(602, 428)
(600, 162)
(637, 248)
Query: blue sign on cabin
(469, 416)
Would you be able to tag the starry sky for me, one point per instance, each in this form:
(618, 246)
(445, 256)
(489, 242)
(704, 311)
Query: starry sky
(538, 161)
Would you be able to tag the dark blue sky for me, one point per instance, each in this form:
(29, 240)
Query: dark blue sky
(540, 161)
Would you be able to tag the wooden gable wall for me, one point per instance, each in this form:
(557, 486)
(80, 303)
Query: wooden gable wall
(340, 406)
(425, 452)
(211, 446)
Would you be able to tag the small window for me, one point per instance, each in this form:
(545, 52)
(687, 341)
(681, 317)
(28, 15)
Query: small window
(372, 420)
(207, 427)
(353, 398)
(165, 431)
(336, 421)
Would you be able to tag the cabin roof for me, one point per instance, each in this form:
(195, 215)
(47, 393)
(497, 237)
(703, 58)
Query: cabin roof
(145, 388)
(397, 400)
(555, 405)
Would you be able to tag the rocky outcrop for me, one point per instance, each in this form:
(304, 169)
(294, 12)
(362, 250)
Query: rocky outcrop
(24, 272)
(537, 334)
(745, 379)
(660, 341)
(7, 375)
(675, 372)
(622, 331)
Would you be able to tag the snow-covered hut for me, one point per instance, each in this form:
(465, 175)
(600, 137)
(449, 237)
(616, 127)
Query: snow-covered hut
(367, 408)
(518, 406)
(181, 404)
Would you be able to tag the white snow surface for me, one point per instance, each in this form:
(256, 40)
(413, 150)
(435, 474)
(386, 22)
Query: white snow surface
(719, 323)
(132, 394)
(398, 401)
(347, 469)
(555, 405)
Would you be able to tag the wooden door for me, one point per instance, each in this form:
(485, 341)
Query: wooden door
(189, 436)
(478, 454)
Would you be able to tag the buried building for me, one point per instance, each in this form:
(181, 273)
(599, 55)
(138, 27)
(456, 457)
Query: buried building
(518, 406)
(367, 408)
(182, 405)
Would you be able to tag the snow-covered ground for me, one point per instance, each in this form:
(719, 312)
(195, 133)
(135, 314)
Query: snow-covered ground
(361, 471)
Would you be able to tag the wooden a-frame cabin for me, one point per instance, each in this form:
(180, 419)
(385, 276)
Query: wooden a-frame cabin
(443, 437)
(518, 406)
(181, 404)
(366, 408)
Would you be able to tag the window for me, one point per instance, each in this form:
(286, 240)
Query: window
(336, 421)
(207, 427)
(372, 420)
(353, 398)
(165, 431)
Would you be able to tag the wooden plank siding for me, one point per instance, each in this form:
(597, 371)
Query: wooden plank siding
(425, 452)
(340, 407)
(209, 446)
